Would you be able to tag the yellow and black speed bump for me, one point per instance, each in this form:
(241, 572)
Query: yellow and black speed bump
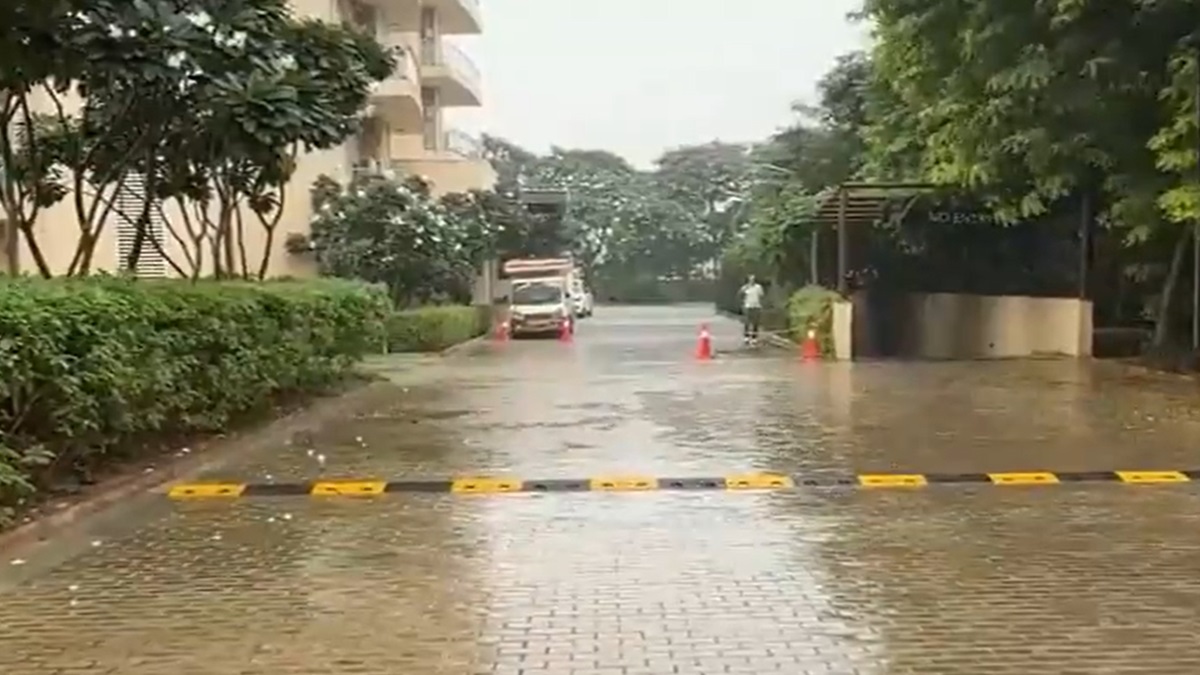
(558, 485)
(691, 483)
(277, 489)
(419, 486)
(493, 485)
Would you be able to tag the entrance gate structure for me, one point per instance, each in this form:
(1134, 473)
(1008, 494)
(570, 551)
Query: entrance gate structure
(882, 315)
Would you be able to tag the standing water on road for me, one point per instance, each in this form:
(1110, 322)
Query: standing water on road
(946, 580)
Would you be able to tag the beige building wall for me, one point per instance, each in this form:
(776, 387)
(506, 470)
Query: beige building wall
(400, 134)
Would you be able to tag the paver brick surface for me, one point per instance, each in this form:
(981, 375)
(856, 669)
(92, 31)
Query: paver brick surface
(1095, 578)
(1064, 580)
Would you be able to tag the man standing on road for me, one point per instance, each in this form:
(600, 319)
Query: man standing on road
(752, 297)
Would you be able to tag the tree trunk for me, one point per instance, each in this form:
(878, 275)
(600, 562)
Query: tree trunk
(12, 248)
(1162, 327)
(139, 239)
(227, 244)
(35, 251)
(142, 229)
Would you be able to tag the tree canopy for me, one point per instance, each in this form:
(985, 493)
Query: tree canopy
(1024, 107)
(624, 223)
(206, 102)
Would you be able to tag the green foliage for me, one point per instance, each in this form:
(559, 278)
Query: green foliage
(206, 101)
(432, 329)
(1176, 142)
(711, 182)
(811, 308)
(1028, 104)
(777, 243)
(498, 226)
(393, 233)
(93, 368)
(620, 222)
(1028, 108)
(823, 148)
(300, 87)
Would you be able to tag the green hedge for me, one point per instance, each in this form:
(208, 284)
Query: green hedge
(92, 369)
(432, 329)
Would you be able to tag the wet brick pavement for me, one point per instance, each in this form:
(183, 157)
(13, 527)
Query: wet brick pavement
(1086, 578)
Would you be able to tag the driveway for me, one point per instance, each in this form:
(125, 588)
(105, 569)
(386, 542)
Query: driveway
(963, 578)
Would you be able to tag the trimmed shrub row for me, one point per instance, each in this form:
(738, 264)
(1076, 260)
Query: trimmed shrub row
(432, 329)
(93, 369)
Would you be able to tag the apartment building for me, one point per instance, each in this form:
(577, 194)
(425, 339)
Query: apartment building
(405, 132)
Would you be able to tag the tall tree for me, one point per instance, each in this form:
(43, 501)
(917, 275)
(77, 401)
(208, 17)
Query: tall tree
(711, 182)
(193, 99)
(293, 87)
(1030, 102)
(36, 57)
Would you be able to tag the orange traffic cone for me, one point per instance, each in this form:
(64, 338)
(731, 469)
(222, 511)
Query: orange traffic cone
(704, 350)
(564, 331)
(810, 349)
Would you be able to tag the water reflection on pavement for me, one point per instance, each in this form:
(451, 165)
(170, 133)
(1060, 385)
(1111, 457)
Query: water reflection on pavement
(975, 579)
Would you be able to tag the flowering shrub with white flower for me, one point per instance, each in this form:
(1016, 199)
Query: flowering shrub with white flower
(498, 226)
(392, 232)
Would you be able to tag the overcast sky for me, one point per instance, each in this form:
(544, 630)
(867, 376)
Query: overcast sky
(638, 76)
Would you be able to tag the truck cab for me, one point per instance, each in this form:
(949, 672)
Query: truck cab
(540, 306)
(541, 300)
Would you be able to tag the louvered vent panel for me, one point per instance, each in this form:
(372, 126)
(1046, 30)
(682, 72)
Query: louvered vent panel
(128, 207)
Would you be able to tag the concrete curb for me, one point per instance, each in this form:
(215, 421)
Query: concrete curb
(467, 345)
(155, 472)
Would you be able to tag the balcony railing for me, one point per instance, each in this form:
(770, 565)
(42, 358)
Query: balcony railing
(368, 167)
(406, 62)
(462, 144)
(449, 56)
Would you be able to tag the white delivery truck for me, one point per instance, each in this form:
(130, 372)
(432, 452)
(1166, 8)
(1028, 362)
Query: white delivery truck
(541, 298)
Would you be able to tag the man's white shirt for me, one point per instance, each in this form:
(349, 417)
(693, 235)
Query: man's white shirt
(752, 295)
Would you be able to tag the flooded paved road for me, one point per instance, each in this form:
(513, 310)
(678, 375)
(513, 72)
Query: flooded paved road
(957, 580)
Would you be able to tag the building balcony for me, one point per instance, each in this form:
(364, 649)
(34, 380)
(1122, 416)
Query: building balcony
(397, 99)
(455, 165)
(455, 17)
(458, 17)
(449, 174)
(448, 69)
